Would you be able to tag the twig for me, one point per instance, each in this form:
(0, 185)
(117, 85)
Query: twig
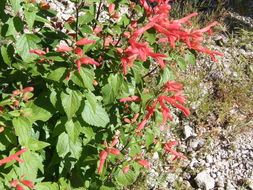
(98, 13)
(150, 72)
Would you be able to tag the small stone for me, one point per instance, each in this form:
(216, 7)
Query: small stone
(188, 132)
(209, 159)
(204, 180)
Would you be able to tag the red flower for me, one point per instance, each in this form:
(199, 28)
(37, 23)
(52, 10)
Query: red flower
(38, 52)
(113, 151)
(16, 92)
(13, 157)
(19, 187)
(14, 183)
(131, 98)
(144, 163)
(63, 48)
(28, 183)
(79, 51)
(97, 30)
(28, 89)
(168, 147)
(126, 120)
(87, 61)
(126, 169)
(142, 125)
(111, 8)
(103, 156)
(85, 41)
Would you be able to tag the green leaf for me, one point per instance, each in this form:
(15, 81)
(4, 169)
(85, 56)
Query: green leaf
(5, 55)
(84, 79)
(30, 16)
(108, 96)
(22, 128)
(71, 101)
(26, 43)
(99, 118)
(149, 138)
(15, 5)
(33, 162)
(190, 58)
(15, 25)
(57, 74)
(86, 30)
(73, 130)
(125, 179)
(166, 76)
(92, 100)
(181, 63)
(86, 18)
(65, 145)
(47, 186)
(34, 144)
(62, 146)
(41, 19)
(38, 113)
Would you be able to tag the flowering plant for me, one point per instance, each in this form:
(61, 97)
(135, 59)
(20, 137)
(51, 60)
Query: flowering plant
(70, 87)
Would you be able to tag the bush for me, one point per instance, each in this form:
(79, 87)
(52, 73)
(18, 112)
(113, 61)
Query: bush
(82, 100)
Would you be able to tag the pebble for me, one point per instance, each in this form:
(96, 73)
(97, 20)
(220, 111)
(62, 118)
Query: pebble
(204, 180)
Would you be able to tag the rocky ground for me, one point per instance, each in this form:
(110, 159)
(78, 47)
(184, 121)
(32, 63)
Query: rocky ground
(218, 158)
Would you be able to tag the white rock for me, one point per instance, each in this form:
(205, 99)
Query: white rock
(209, 159)
(204, 180)
(188, 132)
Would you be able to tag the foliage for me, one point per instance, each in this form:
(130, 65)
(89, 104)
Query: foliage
(67, 89)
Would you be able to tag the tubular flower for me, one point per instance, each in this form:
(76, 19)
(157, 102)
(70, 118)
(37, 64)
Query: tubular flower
(103, 156)
(144, 163)
(63, 48)
(131, 99)
(15, 183)
(85, 41)
(173, 29)
(79, 51)
(126, 169)
(104, 153)
(13, 157)
(111, 8)
(168, 147)
(97, 30)
(86, 61)
(38, 52)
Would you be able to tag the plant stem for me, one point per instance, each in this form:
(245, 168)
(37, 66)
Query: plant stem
(150, 72)
(98, 13)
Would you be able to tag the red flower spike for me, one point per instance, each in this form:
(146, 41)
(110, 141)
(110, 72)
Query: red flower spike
(87, 61)
(126, 34)
(14, 183)
(114, 151)
(63, 48)
(168, 147)
(97, 30)
(85, 41)
(131, 98)
(126, 120)
(38, 52)
(16, 92)
(114, 142)
(141, 125)
(116, 16)
(79, 51)
(78, 65)
(28, 183)
(28, 89)
(144, 163)
(111, 8)
(103, 156)
(19, 187)
(126, 169)
(13, 157)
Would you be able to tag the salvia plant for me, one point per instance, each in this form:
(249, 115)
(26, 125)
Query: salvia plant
(83, 100)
